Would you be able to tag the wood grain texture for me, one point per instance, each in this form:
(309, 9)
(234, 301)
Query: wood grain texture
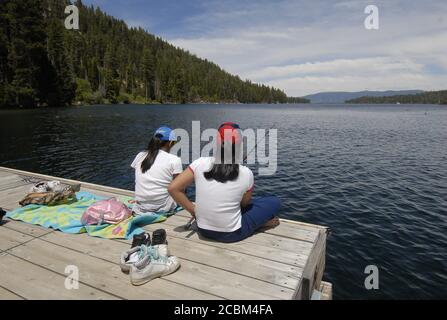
(36, 282)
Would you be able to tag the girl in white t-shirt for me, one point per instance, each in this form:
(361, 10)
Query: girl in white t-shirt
(155, 169)
(224, 209)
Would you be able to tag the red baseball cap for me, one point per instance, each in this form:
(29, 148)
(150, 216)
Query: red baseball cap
(229, 131)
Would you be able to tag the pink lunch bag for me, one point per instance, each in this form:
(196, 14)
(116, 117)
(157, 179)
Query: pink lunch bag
(110, 211)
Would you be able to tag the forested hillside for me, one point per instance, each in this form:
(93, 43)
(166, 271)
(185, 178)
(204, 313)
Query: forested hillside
(429, 97)
(105, 61)
(297, 100)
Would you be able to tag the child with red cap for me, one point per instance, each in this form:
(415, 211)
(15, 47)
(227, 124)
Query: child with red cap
(224, 208)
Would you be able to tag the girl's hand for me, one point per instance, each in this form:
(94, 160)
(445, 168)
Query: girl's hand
(177, 190)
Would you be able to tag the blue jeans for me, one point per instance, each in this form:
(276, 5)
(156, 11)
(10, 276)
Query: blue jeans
(254, 216)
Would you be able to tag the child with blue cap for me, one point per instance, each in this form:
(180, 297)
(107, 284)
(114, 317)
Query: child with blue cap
(155, 168)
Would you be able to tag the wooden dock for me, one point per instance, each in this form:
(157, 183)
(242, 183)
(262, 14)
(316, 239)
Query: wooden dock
(286, 262)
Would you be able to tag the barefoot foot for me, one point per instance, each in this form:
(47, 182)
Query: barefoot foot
(271, 223)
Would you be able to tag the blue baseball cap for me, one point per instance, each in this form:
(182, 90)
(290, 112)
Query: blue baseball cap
(165, 134)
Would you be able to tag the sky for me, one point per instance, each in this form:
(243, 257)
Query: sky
(305, 46)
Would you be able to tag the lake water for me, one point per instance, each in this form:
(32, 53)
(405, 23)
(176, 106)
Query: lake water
(376, 175)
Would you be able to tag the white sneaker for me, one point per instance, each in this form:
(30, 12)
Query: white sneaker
(55, 186)
(51, 186)
(162, 250)
(133, 255)
(150, 268)
(128, 258)
(40, 187)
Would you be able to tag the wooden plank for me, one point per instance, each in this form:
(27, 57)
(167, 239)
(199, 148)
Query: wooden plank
(260, 238)
(35, 282)
(311, 273)
(305, 225)
(8, 176)
(9, 199)
(68, 181)
(11, 181)
(4, 173)
(227, 284)
(204, 278)
(321, 264)
(326, 290)
(275, 253)
(8, 295)
(293, 232)
(283, 230)
(101, 193)
(10, 238)
(99, 273)
(26, 228)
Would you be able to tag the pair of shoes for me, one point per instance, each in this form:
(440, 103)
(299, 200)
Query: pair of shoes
(158, 238)
(146, 259)
(152, 265)
(129, 257)
(136, 253)
(160, 243)
(47, 186)
(140, 239)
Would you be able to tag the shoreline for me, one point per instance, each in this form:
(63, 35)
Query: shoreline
(328, 104)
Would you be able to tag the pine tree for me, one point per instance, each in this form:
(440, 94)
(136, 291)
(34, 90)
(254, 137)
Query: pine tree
(4, 52)
(148, 68)
(31, 77)
(66, 87)
(111, 81)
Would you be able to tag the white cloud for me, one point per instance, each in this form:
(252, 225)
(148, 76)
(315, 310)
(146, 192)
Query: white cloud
(309, 46)
(370, 66)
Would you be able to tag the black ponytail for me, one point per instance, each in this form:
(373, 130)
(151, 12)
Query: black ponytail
(222, 172)
(152, 152)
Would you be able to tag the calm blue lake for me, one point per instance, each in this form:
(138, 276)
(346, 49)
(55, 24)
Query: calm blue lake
(376, 175)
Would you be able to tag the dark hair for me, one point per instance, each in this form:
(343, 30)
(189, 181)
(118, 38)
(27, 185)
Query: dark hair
(152, 151)
(222, 172)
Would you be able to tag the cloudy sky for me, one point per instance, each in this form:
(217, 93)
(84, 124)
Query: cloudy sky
(305, 46)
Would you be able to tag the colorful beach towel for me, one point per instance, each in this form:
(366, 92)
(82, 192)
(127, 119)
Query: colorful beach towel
(67, 218)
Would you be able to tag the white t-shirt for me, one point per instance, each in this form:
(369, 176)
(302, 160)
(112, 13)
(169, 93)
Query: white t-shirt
(218, 205)
(151, 187)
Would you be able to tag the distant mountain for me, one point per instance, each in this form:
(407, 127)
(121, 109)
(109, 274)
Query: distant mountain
(341, 97)
(427, 97)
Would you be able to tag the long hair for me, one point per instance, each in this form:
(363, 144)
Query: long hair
(221, 171)
(153, 148)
